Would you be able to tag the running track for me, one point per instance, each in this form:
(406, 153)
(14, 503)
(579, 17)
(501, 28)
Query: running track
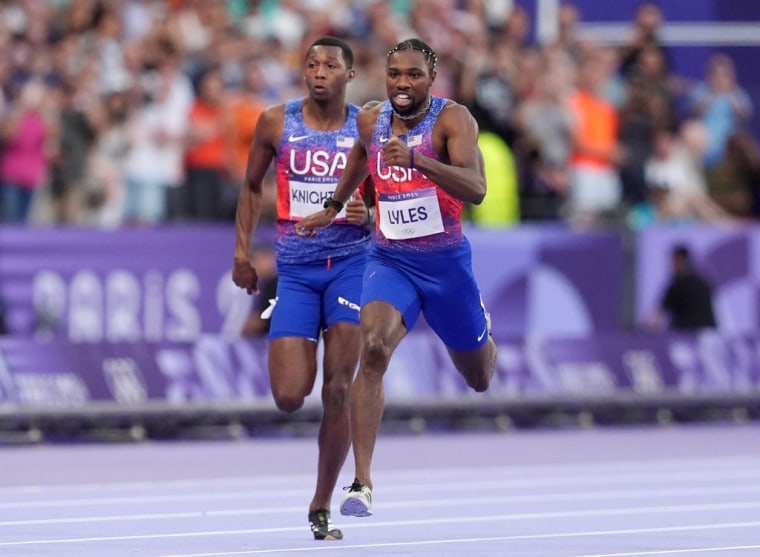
(646, 491)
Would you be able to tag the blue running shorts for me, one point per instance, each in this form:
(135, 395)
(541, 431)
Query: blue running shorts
(311, 297)
(438, 283)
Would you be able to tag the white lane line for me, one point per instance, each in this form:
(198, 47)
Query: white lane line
(471, 540)
(572, 496)
(675, 551)
(715, 464)
(427, 522)
(591, 480)
(593, 533)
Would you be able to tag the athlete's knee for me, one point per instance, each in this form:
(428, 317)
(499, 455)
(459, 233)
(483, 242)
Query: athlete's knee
(480, 380)
(376, 353)
(335, 394)
(288, 401)
(479, 374)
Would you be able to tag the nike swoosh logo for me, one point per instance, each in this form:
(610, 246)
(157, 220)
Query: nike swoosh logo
(383, 140)
(297, 137)
(481, 335)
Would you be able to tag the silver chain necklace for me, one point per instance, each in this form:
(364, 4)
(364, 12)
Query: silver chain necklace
(416, 114)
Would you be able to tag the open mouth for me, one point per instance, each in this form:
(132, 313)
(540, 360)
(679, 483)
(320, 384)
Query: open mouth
(320, 89)
(403, 100)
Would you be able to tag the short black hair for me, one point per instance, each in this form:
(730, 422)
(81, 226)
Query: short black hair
(419, 45)
(348, 54)
(682, 252)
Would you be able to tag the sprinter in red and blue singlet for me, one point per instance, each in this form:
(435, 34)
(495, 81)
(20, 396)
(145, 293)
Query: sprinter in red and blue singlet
(319, 282)
(307, 167)
(421, 152)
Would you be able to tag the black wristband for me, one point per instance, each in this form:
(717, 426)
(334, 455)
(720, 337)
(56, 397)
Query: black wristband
(334, 203)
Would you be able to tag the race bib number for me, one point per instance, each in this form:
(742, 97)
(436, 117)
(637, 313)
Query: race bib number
(308, 198)
(410, 214)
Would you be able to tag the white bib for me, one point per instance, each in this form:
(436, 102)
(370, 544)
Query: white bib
(410, 214)
(307, 198)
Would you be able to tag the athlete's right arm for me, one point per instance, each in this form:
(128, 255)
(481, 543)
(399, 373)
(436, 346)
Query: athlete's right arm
(263, 149)
(354, 174)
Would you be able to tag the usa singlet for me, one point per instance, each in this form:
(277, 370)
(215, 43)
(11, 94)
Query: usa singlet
(413, 213)
(421, 260)
(307, 168)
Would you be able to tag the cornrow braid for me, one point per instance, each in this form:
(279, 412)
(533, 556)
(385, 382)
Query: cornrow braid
(420, 46)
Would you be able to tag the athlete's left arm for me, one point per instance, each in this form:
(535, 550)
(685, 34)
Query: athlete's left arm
(456, 134)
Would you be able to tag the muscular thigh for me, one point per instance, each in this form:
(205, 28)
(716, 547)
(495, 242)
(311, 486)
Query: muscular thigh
(292, 365)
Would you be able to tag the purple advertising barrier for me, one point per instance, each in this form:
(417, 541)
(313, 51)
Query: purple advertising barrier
(728, 256)
(127, 285)
(549, 280)
(219, 370)
(59, 374)
(173, 284)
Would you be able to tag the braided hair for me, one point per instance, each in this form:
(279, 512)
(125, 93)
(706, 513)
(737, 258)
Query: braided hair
(420, 46)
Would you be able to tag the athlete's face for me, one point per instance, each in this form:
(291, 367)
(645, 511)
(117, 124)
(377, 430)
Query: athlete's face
(408, 79)
(326, 72)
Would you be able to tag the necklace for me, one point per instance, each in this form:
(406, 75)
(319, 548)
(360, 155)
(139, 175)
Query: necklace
(416, 115)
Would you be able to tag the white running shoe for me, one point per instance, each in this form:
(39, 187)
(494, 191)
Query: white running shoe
(358, 500)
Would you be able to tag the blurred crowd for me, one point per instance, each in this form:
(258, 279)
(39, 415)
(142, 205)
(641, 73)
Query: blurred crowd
(131, 112)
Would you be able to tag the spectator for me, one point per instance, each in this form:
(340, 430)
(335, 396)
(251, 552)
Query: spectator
(595, 190)
(105, 190)
(75, 139)
(246, 106)
(721, 104)
(487, 88)
(732, 183)
(645, 34)
(500, 206)
(635, 135)
(613, 85)
(209, 153)
(569, 39)
(105, 44)
(154, 164)
(686, 304)
(677, 191)
(25, 157)
(661, 88)
(546, 127)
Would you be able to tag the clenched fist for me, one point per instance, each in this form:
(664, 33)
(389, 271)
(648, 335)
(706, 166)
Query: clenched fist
(244, 276)
(397, 153)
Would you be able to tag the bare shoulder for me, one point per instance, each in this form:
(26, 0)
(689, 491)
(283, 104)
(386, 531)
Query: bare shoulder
(453, 111)
(271, 123)
(456, 118)
(273, 114)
